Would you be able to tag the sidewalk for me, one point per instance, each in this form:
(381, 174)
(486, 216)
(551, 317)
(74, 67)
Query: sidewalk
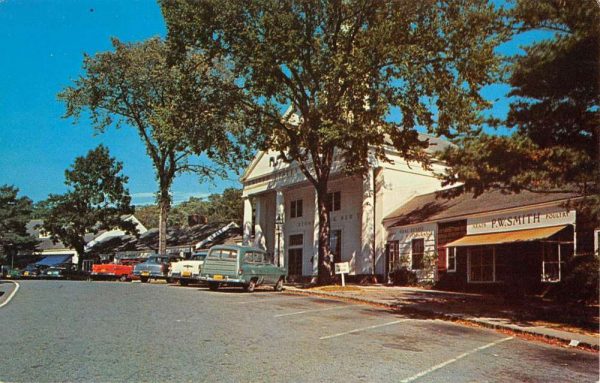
(530, 318)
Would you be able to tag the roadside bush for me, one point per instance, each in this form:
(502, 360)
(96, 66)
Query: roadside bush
(580, 280)
(403, 277)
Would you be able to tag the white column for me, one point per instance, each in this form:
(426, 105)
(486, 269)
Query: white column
(259, 236)
(247, 224)
(365, 263)
(315, 255)
(279, 232)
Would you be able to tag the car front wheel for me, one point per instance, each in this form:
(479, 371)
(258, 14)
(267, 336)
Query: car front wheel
(251, 286)
(279, 285)
(213, 286)
(144, 279)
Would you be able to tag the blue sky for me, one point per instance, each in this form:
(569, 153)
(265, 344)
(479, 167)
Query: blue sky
(42, 50)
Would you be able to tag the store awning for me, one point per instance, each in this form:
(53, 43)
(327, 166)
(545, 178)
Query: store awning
(53, 260)
(506, 237)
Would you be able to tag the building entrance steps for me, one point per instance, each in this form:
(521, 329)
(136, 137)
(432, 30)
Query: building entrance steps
(535, 318)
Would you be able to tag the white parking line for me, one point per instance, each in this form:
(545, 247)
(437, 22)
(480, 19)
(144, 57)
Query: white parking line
(363, 329)
(437, 367)
(11, 294)
(313, 311)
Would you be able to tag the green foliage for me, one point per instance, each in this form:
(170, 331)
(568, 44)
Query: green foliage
(178, 109)
(343, 67)
(403, 277)
(555, 113)
(15, 212)
(97, 199)
(580, 280)
(224, 207)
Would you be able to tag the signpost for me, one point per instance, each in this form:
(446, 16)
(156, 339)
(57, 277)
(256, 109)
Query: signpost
(342, 268)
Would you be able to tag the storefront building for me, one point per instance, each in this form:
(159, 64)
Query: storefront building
(491, 242)
(280, 214)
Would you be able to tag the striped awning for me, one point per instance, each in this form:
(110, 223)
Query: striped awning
(506, 237)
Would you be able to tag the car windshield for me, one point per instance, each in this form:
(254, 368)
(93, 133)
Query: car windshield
(199, 256)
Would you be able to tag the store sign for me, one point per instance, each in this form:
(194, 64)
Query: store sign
(520, 220)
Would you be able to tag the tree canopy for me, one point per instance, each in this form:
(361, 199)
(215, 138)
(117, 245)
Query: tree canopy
(225, 207)
(177, 108)
(360, 75)
(554, 117)
(15, 213)
(97, 199)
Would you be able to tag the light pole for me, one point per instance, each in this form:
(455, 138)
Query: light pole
(278, 224)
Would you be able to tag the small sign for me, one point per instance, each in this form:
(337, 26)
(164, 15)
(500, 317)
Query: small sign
(342, 267)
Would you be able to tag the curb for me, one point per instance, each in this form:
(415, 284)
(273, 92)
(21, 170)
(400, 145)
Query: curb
(7, 298)
(453, 318)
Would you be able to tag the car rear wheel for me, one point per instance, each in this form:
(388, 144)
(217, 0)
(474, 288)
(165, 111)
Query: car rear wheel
(279, 285)
(183, 282)
(250, 286)
(144, 279)
(213, 286)
(123, 278)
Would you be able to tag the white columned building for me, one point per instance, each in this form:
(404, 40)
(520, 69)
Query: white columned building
(280, 211)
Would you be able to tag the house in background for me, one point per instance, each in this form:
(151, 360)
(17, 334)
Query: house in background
(490, 242)
(182, 241)
(53, 253)
(280, 214)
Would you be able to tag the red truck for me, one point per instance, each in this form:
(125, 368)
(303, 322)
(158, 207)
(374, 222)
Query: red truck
(112, 271)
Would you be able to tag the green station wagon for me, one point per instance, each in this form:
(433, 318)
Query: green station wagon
(241, 266)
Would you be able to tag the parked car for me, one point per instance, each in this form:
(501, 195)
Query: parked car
(188, 271)
(63, 271)
(244, 266)
(112, 271)
(32, 270)
(12, 273)
(156, 266)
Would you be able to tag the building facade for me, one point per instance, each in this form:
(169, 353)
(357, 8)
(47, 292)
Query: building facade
(491, 242)
(280, 214)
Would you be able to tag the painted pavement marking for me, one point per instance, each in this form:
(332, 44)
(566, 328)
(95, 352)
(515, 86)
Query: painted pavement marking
(314, 311)
(450, 361)
(11, 294)
(363, 329)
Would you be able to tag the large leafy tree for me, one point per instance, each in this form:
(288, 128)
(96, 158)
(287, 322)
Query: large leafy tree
(177, 109)
(554, 116)
(344, 68)
(97, 200)
(15, 212)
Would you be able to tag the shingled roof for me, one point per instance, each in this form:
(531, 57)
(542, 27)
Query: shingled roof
(437, 206)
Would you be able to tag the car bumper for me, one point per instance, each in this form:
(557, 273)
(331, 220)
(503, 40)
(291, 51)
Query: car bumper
(225, 279)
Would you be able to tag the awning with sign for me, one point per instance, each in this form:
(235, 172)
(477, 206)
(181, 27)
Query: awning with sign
(506, 237)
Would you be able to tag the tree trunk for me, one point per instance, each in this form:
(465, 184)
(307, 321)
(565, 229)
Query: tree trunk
(164, 205)
(80, 249)
(325, 263)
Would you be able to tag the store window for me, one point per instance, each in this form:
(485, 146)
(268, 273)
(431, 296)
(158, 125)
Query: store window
(335, 245)
(334, 201)
(418, 250)
(296, 209)
(481, 264)
(451, 259)
(553, 256)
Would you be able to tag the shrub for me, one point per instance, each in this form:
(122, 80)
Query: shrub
(579, 280)
(403, 277)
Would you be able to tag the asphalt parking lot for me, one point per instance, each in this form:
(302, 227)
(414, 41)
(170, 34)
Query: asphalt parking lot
(112, 332)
